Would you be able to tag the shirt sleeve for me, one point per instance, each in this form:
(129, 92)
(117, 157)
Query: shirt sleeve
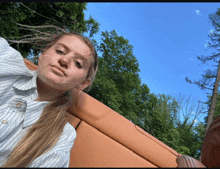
(8, 52)
(52, 159)
(11, 61)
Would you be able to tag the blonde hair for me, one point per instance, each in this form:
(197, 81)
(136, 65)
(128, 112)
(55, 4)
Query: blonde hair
(46, 131)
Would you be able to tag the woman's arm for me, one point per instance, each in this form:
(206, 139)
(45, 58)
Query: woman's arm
(11, 61)
(7, 52)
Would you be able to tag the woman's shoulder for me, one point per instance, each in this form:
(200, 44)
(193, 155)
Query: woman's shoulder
(69, 131)
(67, 138)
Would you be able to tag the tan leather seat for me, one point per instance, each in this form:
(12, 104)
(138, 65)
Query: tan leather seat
(107, 139)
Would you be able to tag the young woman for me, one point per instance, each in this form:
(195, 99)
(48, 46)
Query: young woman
(34, 128)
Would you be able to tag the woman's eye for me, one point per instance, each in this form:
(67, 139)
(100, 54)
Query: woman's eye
(78, 64)
(60, 52)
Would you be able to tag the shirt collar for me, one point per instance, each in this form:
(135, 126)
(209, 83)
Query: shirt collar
(34, 108)
(26, 82)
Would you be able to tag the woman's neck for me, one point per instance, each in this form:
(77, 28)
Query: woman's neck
(46, 93)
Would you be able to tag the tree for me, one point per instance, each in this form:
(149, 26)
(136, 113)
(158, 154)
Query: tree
(164, 122)
(117, 67)
(67, 15)
(207, 81)
(117, 83)
(190, 130)
(199, 134)
(105, 90)
(189, 108)
(146, 103)
(217, 107)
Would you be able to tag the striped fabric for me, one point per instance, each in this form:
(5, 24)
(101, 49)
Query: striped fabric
(19, 110)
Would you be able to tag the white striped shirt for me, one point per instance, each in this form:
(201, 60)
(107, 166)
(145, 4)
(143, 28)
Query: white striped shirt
(19, 110)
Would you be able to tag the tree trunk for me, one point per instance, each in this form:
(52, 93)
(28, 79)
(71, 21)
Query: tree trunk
(213, 100)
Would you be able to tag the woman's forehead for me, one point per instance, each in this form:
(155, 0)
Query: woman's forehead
(72, 42)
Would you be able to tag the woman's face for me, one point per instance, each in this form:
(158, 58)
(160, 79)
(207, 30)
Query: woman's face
(65, 65)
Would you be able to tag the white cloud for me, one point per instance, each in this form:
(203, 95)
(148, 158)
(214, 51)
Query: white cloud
(193, 112)
(195, 121)
(197, 12)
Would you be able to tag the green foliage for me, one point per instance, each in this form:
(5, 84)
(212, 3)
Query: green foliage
(117, 82)
(105, 90)
(163, 121)
(67, 15)
(217, 108)
(92, 26)
(184, 150)
(199, 134)
(187, 139)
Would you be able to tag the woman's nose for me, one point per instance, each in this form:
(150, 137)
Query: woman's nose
(64, 62)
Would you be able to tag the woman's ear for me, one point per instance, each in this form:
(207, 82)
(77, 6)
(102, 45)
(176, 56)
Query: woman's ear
(84, 84)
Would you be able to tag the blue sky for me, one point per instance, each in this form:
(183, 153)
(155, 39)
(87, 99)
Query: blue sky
(167, 38)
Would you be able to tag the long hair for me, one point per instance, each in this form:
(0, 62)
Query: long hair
(46, 131)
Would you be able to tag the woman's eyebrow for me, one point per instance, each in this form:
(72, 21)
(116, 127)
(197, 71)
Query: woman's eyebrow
(77, 55)
(61, 44)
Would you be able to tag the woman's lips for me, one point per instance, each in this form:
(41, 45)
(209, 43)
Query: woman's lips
(60, 70)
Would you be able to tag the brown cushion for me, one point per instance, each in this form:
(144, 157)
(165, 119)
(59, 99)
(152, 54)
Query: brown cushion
(210, 153)
(185, 161)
